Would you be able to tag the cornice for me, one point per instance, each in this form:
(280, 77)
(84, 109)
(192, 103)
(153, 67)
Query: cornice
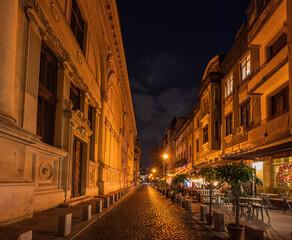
(118, 51)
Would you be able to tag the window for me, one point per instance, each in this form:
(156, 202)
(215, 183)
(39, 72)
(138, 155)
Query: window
(47, 99)
(205, 108)
(216, 133)
(205, 134)
(229, 86)
(216, 95)
(75, 97)
(280, 43)
(198, 122)
(245, 67)
(245, 114)
(229, 125)
(197, 145)
(280, 103)
(77, 23)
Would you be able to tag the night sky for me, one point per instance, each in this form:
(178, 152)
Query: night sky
(168, 45)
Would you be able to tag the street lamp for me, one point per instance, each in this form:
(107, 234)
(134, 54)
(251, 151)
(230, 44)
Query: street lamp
(165, 156)
(154, 170)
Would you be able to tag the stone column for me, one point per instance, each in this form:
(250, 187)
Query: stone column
(289, 41)
(8, 38)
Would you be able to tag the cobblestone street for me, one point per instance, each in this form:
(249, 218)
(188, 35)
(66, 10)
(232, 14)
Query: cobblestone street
(146, 214)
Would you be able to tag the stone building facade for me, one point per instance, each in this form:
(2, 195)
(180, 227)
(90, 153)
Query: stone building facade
(244, 110)
(66, 117)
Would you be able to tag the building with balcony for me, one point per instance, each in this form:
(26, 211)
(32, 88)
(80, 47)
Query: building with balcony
(66, 117)
(243, 110)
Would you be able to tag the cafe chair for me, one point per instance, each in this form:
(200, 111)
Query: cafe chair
(261, 206)
(287, 205)
(226, 198)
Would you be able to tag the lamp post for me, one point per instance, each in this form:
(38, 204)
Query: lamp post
(165, 156)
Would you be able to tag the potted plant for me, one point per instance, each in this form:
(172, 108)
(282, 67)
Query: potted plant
(179, 180)
(209, 174)
(236, 176)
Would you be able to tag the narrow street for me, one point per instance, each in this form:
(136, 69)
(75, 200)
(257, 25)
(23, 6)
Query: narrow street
(146, 214)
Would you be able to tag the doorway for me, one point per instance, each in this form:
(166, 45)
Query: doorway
(76, 168)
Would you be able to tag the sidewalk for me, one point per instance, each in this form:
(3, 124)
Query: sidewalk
(279, 227)
(44, 225)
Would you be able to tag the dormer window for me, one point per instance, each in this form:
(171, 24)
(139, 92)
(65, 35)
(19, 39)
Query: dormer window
(77, 23)
(245, 68)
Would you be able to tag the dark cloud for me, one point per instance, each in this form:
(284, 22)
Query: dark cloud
(154, 113)
(167, 46)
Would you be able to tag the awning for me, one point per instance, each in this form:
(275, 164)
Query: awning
(208, 164)
(184, 171)
(262, 154)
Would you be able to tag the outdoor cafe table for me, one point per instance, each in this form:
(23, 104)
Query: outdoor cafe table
(270, 194)
(250, 199)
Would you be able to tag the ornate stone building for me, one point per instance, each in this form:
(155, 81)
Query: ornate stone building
(244, 108)
(67, 124)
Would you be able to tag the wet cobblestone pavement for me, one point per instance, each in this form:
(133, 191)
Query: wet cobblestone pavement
(146, 214)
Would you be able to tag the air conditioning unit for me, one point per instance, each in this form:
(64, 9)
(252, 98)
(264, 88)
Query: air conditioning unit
(239, 130)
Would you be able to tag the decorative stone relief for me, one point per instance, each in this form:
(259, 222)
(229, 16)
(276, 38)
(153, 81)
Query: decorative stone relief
(81, 125)
(55, 12)
(228, 138)
(79, 58)
(68, 105)
(46, 171)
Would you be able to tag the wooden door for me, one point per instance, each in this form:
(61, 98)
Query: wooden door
(76, 168)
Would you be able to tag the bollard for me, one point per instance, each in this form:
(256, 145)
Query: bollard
(219, 221)
(116, 197)
(112, 200)
(253, 233)
(203, 211)
(65, 223)
(99, 206)
(87, 212)
(25, 236)
(180, 201)
(106, 202)
(176, 198)
(189, 205)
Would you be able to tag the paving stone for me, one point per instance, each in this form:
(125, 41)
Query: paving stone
(146, 214)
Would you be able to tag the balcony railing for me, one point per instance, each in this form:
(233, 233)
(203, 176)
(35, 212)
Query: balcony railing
(272, 129)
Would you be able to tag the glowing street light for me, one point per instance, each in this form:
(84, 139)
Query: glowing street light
(154, 170)
(165, 156)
